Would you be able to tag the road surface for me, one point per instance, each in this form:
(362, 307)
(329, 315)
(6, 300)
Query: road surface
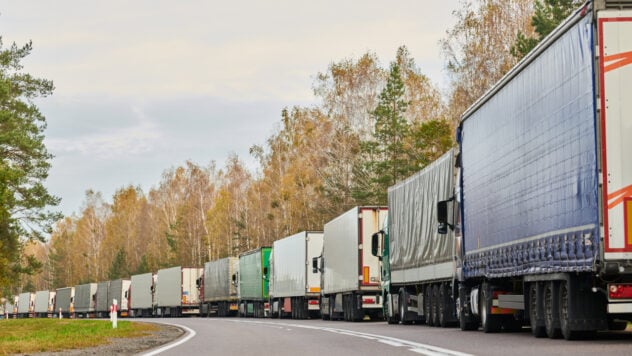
(246, 336)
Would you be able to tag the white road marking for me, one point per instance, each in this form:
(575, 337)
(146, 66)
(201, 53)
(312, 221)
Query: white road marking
(416, 347)
(189, 336)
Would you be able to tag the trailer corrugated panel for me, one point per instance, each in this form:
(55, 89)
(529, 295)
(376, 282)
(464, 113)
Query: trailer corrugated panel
(190, 292)
(252, 284)
(65, 297)
(349, 264)
(529, 167)
(218, 279)
(142, 294)
(42, 301)
(169, 287)
(119, 290)
(85, 298)
(417, 251)
(103, 297)
(26, 302)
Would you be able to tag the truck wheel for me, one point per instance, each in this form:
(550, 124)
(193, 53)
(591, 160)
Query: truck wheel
(444, 306)
(566, 314)
(489, 322)
(357, 313)
(535, 312)
(550, 311)
(387, 310)
(428, 306)
(435, 305)
(332, 301)
(402, 306)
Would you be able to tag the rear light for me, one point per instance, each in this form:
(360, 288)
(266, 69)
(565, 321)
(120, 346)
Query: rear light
(620, 291)
(313, 302)
(368, 301)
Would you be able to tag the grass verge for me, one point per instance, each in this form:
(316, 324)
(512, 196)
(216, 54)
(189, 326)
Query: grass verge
(39, 335)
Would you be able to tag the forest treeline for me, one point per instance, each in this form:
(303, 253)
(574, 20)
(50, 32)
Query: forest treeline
(374, 125)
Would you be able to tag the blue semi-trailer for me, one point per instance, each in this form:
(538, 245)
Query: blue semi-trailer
(542, 212)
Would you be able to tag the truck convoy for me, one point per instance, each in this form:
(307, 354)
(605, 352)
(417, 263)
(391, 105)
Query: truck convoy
(542, 212)
(417, 262)
(350, 282)
(85, 300)
(294, 288)
(254, 278)
(142, 295)
(218, 287)
(176, 291)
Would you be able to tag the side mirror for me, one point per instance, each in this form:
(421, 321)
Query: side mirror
(197, 283)
(443, 216)
(315, 265)
(375, 244)
(265, 270)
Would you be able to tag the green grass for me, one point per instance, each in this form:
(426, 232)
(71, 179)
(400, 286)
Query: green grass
(38, 335)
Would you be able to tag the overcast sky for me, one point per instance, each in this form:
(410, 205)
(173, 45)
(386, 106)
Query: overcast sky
(143, 86)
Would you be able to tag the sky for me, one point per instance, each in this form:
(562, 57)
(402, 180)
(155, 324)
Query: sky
(143, 86)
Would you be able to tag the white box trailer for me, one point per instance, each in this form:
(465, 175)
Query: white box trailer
(219, 287)
(176, 291)
(294, 287)
(44, 303)
(103, 308)
(351, 283)
(65, 299)
(85, 300)
(141, 297)
(26, 303)
(119, 290)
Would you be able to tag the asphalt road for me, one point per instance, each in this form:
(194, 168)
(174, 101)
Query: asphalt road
(246, 336)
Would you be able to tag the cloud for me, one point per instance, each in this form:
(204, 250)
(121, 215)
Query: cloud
(141, 137)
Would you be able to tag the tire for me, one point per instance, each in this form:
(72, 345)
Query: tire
(617, 325)
(428, 306)
(550, 311)
(332, 300)
(390, 319)
(535, 312)
(443, 306)
(402, 307)
(435, 305)
(489, 322)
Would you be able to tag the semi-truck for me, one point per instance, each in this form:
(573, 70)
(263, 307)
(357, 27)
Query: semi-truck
(418, 270)
(176, 291)
(218, 287)
(85, 300)
(542, 212)
(103, 306)
(294, 288)
(26, 303)
(254, 279)
(350, 281)
(119, 289)
(141, 296)
(44, 303)
(65, 301)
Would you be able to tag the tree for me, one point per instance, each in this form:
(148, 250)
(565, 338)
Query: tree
(24, 163)
(477, 47)
(547, 16)
(386, 159)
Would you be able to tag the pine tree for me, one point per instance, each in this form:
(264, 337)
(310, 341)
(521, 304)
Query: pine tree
(547, 16)
(386, 158)
(24, 164)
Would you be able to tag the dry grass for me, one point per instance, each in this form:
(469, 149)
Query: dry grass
(38, 335)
